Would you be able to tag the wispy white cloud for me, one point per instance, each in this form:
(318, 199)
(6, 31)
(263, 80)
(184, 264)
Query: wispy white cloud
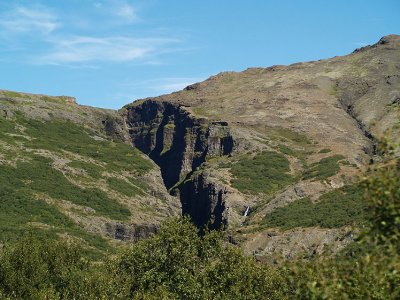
(44, 44)
(122, 11)
(125, 11)
(88, 49)
(22, 19)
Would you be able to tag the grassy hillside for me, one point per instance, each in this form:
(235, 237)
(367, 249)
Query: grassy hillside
(59, 177)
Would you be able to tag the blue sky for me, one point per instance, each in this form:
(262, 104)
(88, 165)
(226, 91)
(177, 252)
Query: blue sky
(108, 53)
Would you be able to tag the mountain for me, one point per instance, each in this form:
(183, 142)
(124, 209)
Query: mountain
(272, 155)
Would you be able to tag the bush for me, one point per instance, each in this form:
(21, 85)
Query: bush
(338, 208)
(324, 169)
(188, 266)
(176, 263)
(373, 271)
(266, 172)
(383, 189)
(37, 269)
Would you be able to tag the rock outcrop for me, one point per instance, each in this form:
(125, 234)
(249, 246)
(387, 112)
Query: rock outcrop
(204, 200)
(174, 139)
(130, 233)
(179, 144)
(308, 112)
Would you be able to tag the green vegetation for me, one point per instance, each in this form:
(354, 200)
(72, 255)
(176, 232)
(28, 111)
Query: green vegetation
(286, 150)
(54, 99)
(93, 170)
(6, 127)
(19, 208)
(38, 176)
(11, 94)
(340, 207)
(293, 136)
(324, 150)
(384, 204)
(32, 176)
(373, 272)
(323, 169)
(58, 136)
(125, 188)
(265, 172)
(176, 263)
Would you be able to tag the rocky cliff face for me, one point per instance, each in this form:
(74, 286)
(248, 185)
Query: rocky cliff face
(323, 117)
(204, 200)
(176, 140)
(180, 143)
(235, 149)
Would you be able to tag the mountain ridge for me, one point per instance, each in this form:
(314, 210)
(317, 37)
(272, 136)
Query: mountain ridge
(263, 141)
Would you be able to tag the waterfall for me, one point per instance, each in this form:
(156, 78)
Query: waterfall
(246, 212)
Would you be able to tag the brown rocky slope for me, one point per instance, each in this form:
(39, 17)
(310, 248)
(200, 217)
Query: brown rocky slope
(321, 118)
(272, 155)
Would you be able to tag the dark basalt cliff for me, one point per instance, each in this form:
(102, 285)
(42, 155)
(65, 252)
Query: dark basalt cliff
(180, 143)
(204, 201)
(240, 145)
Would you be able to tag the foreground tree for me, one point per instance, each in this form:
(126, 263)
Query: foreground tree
(180, 263)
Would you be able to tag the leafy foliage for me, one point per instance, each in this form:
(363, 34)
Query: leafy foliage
(325, 150)
(176, 263)
(325, 168)
(39, 176)
(384, 203)
(266, 172)
(64, 135)
(37, 269)
(125, 188)
(374, 272)
(340, 207)
(26, 176)
(374, 275)
(19, 208)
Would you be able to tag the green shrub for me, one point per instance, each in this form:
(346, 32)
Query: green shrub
(39, 269)
(183, 265)
(293, 136)
(39, 176)
(175, 263)
(340, 207)
(125, 188)
(286, 150)
(324, 150)
(371, 276)
(266, 172)
(11, 94)
(372, 271)
(18, 206)
(323, 169)
(383, 189)
(93, 170)
(64, 135)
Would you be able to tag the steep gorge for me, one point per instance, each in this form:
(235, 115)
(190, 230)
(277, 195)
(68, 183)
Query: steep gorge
(223, 145)
(179, 144)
